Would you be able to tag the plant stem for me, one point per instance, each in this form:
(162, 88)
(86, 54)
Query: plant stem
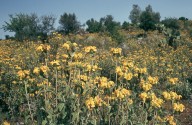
(56, 86)
(27, 97)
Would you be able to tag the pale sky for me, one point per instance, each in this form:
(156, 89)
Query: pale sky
(87, 9)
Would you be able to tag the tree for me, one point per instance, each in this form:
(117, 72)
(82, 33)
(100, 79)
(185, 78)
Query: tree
(46, 26)
(93, 26)
(148, 19)
(171, 23)
(183, 18)
(109, 25)
(24, 26)
(27, 26)
(135, 14)
(69, 23)
(125, 25)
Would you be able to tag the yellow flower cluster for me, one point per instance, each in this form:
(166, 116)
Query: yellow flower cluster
(44, 69)
(119, 71)
(83, 77)
(171, 95)
(98, 101)
(166, 95)
(66, 46)
(121, 93)
(178, 107)
(143, 70)
(93, 68)
(175, 96)
(43, 47)
(89, 49)
(23, 73)
(69, 46)
(78, 56)
(44, 83)
(173, 81)
(55, 63)
(92, 102)
(170, 120)
(116, 51)
(145, 86)
(128, 76)
(36, 70)
(156, 102)
(103, 82)
(152, 80)
(143, 96)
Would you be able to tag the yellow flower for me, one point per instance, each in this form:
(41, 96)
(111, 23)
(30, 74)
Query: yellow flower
(36, 70)
(83, 77)
(6, 123)
(27, 72)
(116, 50)
(143, 70)
(98, 101)
(178, 107)
(78, 55)
(174, 96)
(88, 67)
(173, 81)
(166, 95)
(152, 80)
(156, 102)
(110, 84)
(130, 101)
(170, 120)
(48, 47)
(66, 46)
(90, 103)
(143, 96)
(44, 69)
(128, 76)
(74, 44)
(126, 92)
(40, 48)
(55, 63)
(90, 49)
(146, 86)
(14, 82)
(118, 94)
(21, 74)
(119, 71)
(104, 83)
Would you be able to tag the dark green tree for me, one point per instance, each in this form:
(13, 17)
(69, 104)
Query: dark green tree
(68, 23)
(171, 23)
(93, 26)
(125, 25)
(135, 14)
(183, 18)
(107, 24)
(148, 19)
(46, 26)
(25, 26)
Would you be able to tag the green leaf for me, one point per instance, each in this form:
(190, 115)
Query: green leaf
(61, 106)
(44, 122)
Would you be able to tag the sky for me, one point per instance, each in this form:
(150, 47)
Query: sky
(87, 9)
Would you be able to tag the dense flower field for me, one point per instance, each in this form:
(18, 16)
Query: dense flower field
(88, 79)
